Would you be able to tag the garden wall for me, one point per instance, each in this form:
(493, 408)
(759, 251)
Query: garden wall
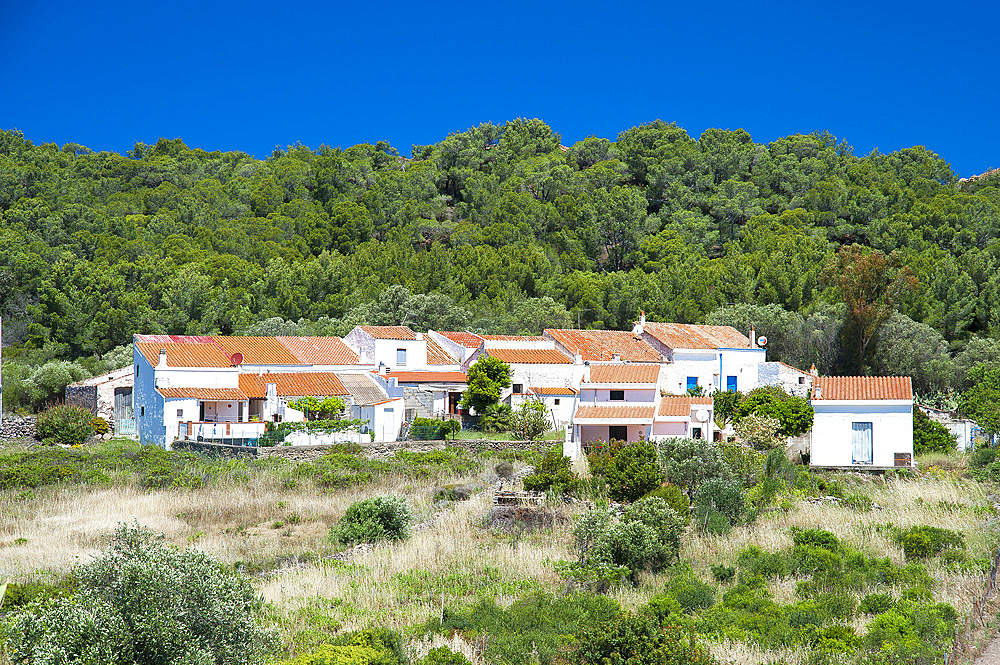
(381, 449)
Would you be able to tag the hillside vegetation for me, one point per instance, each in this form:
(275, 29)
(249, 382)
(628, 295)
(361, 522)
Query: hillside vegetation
(501, 229)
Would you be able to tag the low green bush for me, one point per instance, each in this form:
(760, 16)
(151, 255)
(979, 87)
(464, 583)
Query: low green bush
(443, 656)
(675, 497)
(374, 519)
(365, 647)
(876, 603)
(68, 425)
(922, 541)
(637, 640)
(634, 470)
(721, 573)
(718, 497)
(690, 592)
(552, 471)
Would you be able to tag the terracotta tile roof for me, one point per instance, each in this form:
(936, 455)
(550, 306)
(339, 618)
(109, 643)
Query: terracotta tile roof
(513, 338)
(862, 388)
(438, 356)
(793, 367)
(603, 344)
(545, 390)
(390, 332)
(529, 356)
(293, 384)
(210, 394)
(692, 336)
(320, 350)
(180, 339)
(363, 389)
(680, 405)
(465, 339)
(258, 350)
(184, 355)
(429, 377)
(615, 412)
(638, 373)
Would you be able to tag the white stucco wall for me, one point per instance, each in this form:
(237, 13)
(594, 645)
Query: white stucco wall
(171, 421)
(197, 377)
(416, 353)
(603, 396)
(832, 435)
(590, 433)
(700, 363)
(741, 363)
(543, 375)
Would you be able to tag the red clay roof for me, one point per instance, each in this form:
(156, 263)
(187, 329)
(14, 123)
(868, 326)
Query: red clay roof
(320, 350)
(513, 338)
(390, 332)
(293, 384)
(545, 390)
(429, 377)
(180, 339)
(603, 344)
(862, 388)
(614, 412)
(465, 339)
(638, 373)
(184, 355)
(529, 356)
(210, 394)
(680, 405)
(258, 350)
(692, 336)
(438, 356)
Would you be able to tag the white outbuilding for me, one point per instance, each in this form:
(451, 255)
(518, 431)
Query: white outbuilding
(862, 422)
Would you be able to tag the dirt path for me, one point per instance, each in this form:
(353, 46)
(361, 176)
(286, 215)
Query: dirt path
(991, 654)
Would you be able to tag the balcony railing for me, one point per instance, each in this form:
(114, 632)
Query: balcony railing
(237, 434)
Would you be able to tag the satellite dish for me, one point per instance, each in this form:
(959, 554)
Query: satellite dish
(236, 358)
(701, 415)
(762, 340)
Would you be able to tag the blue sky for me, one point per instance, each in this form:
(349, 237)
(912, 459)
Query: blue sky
(253, 75)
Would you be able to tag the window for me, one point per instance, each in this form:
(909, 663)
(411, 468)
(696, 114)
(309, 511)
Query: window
(400, 356)
(862, 440)
(617, 396)
(618, 433)
(137, 371)
(802, 380)
(142, 411)
(730, 383)
(556, 401)
(180, 413)
(518, 388)
(695, 432)
(692, 383)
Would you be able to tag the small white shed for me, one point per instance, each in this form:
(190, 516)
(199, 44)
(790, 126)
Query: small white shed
(862, 422)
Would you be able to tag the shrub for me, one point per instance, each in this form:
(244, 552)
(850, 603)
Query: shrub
(496, 418)
(426, 428)
(718, 496)
(721, 573)
(100, 425)
(922, 541)
(930, 436)
(875, 603)
(795, 415)
(553, 470)
(634, 470)
(374, 519)
(443, 656)
(530, 421)
(691, 593)
(638, 640)
(657, 514)
(143, 602)
(675, 498)
(69, 425)
(364, 647)
(687, 463)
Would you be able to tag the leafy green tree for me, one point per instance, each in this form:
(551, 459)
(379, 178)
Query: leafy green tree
(688, 463)
(486, 378)
(930, 436)
(633, 471)
(907, 348)
(530, 421)
(724, 404)
(794, 414)
(981, 401)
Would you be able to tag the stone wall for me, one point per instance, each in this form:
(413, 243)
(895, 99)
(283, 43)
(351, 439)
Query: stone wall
(17, 427)
(373, 450)
(82, 396)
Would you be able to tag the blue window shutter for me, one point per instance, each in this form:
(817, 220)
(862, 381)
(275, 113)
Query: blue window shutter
(731, 383)
(692, 382)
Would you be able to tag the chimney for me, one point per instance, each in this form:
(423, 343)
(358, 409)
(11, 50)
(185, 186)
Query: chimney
(420, 336)
(640, 326)
(616, 357)
(577, 359)
(381, 369)
(753, 338)
(813, 370)
(163, 359)
(817, 392)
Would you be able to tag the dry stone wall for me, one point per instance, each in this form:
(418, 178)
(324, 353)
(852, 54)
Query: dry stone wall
(18, 427)
(374, 450)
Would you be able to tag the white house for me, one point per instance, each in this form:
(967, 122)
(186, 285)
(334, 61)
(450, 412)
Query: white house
(534, 361)
(700, 356)
(862, 422)
(683, 416)
(560, 403)
(617, 401)
(395, 347)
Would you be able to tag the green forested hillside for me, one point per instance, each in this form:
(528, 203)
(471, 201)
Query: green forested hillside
(501, 228)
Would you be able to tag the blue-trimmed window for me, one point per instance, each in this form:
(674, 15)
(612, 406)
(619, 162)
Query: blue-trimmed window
(731, 384)
(692, 383)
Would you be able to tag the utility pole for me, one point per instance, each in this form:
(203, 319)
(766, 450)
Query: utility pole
(578, 311)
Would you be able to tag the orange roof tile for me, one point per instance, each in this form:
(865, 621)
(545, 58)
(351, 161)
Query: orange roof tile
(693, 336)
(210, 394)
(390, 332)
(614, 412)
(862, 388)
(320, 350)
(603, 344)
(513, 338)
(293, 384)
(180, 339)
(680, 405)
(429, 377)
(258, 350)
(465, 339)
(638, 373)
(184, 355)
(529, 356)
(438, 356)
(546, 390)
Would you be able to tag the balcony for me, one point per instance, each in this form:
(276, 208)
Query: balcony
(229, 433)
